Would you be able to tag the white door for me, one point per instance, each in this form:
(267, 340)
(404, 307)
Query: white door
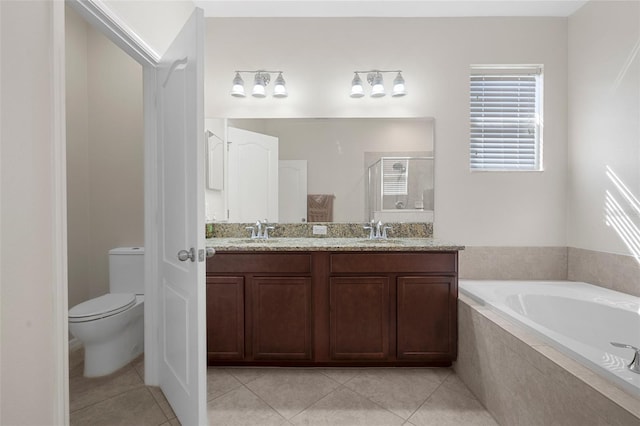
(180, 149)
(292, 191)
(253, 176)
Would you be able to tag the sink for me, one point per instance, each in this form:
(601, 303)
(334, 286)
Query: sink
(257, 240)
(381, 241)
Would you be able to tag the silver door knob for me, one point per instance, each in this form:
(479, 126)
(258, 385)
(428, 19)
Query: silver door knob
(183, 255)
(210, 251)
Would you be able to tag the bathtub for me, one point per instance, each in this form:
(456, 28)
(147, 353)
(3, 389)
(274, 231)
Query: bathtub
(578, 319)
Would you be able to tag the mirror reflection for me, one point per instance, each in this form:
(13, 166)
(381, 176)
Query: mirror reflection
(292, 170)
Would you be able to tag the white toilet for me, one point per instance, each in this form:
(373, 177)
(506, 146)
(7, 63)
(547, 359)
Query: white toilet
(111, 327)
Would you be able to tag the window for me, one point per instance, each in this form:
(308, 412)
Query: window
(506, 118)
(395, 172)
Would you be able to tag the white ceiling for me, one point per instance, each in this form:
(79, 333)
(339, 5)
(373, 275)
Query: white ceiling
(387, 8)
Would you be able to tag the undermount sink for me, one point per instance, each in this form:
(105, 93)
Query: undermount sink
(380, 241)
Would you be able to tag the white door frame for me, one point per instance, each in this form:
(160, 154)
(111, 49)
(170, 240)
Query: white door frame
(106, 21)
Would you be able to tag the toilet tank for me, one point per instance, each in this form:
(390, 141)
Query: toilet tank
(126, 270)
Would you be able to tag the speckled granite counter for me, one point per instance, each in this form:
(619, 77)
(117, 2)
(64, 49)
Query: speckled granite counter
(330, 244)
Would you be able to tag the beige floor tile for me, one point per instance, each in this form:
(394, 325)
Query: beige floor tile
(345, 407)
(447, 407)
(219, 382)
(241, 407)
(85, 392)
(248, 374)
(135, 407)
(164, 405)
(341, 375)
(454, 383)
(172, 422)
(138, 365)
(399, 390)
(289, 391)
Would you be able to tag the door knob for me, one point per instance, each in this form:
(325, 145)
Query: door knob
(183, 255)
(210, 251)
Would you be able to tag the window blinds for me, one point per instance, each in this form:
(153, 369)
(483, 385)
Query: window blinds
(395, 172)
(505, 116)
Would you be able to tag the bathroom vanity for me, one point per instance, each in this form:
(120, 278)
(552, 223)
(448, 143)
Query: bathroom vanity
(332, 301)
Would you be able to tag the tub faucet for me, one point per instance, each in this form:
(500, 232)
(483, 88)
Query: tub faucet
(635, 362)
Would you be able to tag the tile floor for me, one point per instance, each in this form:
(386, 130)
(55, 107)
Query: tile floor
(284, 396)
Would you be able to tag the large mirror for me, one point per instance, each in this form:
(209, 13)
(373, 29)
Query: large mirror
(290, 170)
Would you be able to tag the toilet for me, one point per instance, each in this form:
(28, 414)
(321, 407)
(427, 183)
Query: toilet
(111, 326)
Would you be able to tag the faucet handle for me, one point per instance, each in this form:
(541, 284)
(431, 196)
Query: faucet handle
(253, 231)
(265, 234)
(370, 229)
(384, 231)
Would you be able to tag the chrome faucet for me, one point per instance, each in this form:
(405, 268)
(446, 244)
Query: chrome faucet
(635, 362)
(377, 231)
(260, 230)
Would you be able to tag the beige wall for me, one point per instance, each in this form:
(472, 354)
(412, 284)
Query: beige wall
(604, 126)
(105, 156)
(156, 23)
(32, 350)
(320, 55)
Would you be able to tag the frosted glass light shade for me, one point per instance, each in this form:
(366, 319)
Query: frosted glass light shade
(357, 91)
(238, 87)
(377, 91)
(398, 86)
(280, 89)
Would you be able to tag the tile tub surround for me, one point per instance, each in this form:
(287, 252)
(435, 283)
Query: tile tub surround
(334, 230)
(613, 271)
(521, 380)
(513, 263)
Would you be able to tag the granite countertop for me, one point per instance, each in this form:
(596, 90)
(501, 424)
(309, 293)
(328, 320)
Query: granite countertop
(330, 244)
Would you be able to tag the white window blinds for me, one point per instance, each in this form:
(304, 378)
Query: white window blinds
(505, 105)
(395, 172)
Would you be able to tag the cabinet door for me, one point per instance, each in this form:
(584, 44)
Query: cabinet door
(225, 318)
(359, 318)
(426, 317)
(282, 318)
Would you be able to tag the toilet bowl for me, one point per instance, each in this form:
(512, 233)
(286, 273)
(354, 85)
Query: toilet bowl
(111, 326)
(111, 329)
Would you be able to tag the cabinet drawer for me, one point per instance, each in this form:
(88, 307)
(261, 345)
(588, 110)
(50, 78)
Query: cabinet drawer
(264, 263)
(441, 262)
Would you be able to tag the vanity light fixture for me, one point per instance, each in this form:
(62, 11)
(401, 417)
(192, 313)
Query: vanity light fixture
(261, 79)
(374, 78)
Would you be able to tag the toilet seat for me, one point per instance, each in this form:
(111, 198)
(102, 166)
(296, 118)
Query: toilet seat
(102, 307)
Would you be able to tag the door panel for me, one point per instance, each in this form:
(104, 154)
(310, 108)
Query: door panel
(225, 318)
(424, 316)
(282, 318)
(180, 148)
(292, 191)
(359, 318)
(253, 176)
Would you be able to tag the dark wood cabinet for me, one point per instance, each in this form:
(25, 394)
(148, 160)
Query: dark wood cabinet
(426, 317)
(332, 308)
(225, 318)
(359, 318)
(281, 323)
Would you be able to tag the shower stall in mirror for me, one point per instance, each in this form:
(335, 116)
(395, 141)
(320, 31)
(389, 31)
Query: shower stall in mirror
(400, 189)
